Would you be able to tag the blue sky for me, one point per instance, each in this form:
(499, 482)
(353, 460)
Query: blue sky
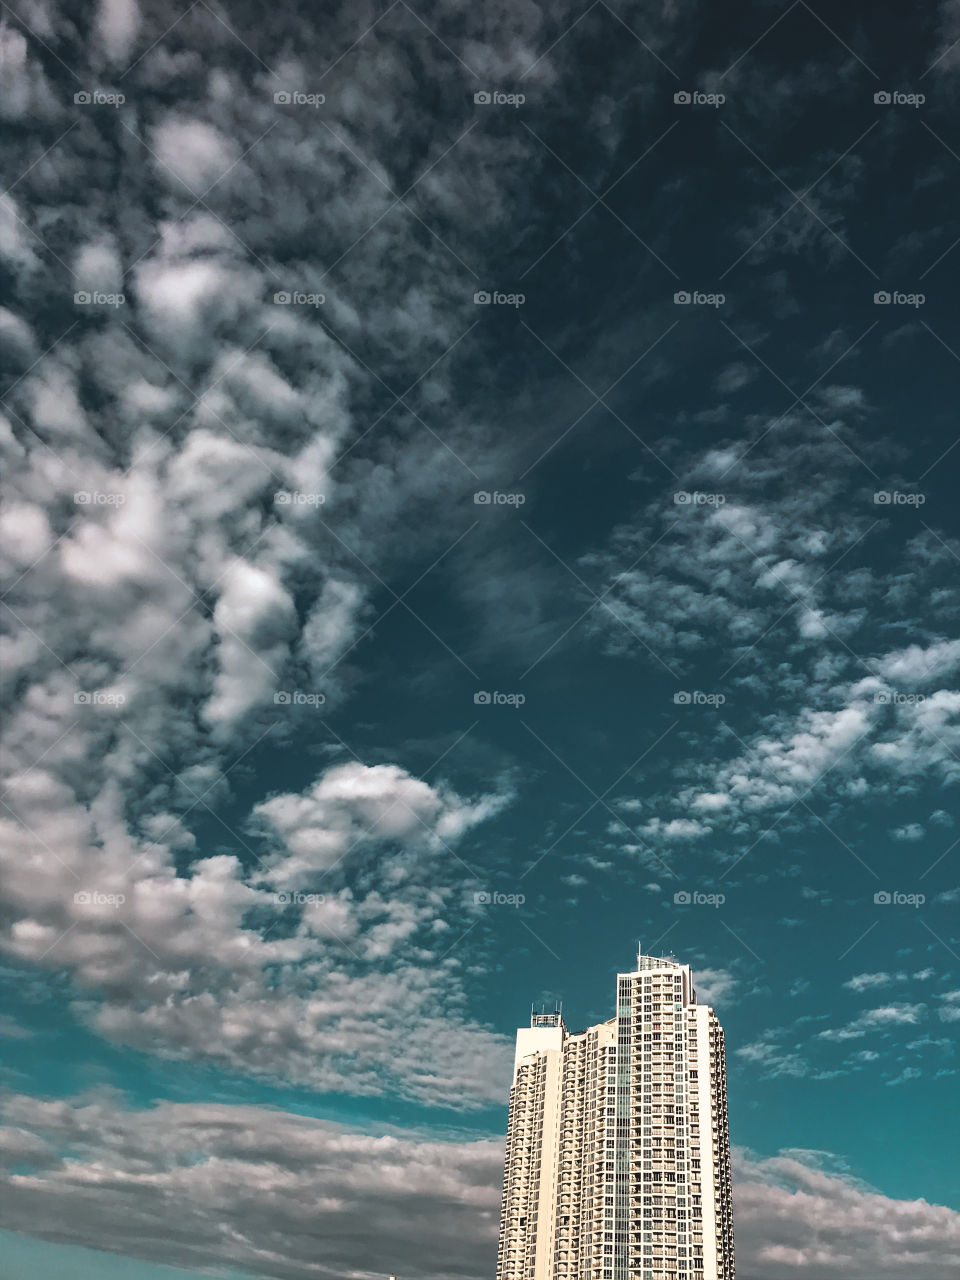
(480, 492)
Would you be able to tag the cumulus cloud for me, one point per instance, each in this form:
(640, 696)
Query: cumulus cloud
(878, 1019)
(797, 1218)
(714, 986)
(116, 26)
(353, 805)
(267, 968)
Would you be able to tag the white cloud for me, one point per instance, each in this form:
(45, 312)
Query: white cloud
(774, 1059)
(354, 805)
(875, 1020)
(116, 27)
(193, 151)
(211, 963)
(255, 621)
(714, 985)
(917, 665)
(910, 833)
(867, 981)
(797, 1220)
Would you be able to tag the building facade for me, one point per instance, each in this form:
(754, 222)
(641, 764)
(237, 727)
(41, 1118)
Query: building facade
(618, 1152)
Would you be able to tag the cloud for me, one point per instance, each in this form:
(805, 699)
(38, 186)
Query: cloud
(148, 561)
(736, 376)
(715, 985)
(918, 665)
(877, 1019)
(266, 970)
(277, 1194)
(675, 829)
(355, 804)
(773, 1059)
(194, 152)
(263, 1191)
(794, 1219)
(116, 27)
(910, 833)
(867, 981)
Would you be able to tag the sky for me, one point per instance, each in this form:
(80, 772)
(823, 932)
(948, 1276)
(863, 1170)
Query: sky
(480, 493)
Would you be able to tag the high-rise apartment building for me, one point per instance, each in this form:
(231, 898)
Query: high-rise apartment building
(618, 1149)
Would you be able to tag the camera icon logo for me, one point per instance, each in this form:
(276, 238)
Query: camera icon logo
(881, 499)
(882, 898)
(83, 98)
(83, 699)
(281, 698)
(482, 98)
(682, 98)
(282, 298)
(82, 897)
(682, 298)
(481, 298)
(681, 498)
(682, 698)
(682, 898)
(82, 498)
(882, 97)
(81, 299)
(282, 97)
(482, 898)
(481, 498)
(282, 498)
(881, 298)
(482, 699)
